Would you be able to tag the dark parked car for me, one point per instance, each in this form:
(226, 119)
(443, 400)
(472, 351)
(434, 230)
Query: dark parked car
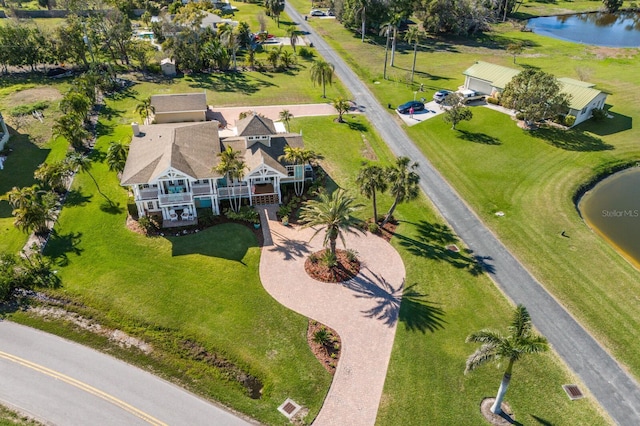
(405, 107)
(440, 95)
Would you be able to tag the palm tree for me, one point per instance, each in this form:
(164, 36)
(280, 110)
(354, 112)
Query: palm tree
(76, 104)
(53, 175)
(275, 7)
(386, 31)
(32, 208)
(391, 29)
(403, 183)
(117, 156)
(286, 116)
(341, 105)
(292, 33)
(232, 166)
(145, 109)
(72, 129)
(298, 157)
(82, 162)
(331, 212)
(370, 179)
(362, 10)
(497, 347)
(232, 42)
(412, 36)
(322, 73)
(273, 57)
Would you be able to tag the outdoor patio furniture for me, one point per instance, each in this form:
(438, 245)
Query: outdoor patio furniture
(185, 215)
(173, 215)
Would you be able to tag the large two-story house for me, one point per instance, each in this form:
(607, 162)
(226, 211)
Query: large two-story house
(171, 167)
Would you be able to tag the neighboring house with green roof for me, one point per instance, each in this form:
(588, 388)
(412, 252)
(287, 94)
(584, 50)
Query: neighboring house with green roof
(487, 78)
(171, 167)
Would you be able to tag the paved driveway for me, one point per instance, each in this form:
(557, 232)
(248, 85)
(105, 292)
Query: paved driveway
(364, 312)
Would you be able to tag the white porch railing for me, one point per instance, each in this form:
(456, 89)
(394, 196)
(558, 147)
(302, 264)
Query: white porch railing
(173, 199)
(148, 194)
(228, 191)
(201, 190)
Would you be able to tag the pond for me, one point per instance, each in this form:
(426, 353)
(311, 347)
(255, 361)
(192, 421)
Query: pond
(612, 209)
(621, 29)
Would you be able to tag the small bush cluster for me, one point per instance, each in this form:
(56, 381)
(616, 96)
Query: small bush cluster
(149, 224)
(245, 214)
(569, 120)
(26, 272)
(493, 101)
(305, 52)
(29, 108)
(599, 114)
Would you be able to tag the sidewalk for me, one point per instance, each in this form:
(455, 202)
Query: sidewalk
(364, 312)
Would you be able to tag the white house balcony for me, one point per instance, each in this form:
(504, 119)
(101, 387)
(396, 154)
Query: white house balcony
(233, 191)
(204, 189)
(148, 194)
(173, 199)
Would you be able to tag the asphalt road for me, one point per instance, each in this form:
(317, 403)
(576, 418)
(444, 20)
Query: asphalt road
(60, 382)
(616, 391)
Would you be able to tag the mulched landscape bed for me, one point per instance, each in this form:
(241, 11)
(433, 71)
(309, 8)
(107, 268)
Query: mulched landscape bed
(329, 354)
(344, 269)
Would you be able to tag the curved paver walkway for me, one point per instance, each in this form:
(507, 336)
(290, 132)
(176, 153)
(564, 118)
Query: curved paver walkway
(364, 311)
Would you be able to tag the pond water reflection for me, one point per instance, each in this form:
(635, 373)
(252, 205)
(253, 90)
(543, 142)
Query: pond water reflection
(621, 29)
(612, 209)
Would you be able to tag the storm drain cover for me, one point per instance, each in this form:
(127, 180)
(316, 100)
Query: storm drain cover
(289, 408)
(573, 391)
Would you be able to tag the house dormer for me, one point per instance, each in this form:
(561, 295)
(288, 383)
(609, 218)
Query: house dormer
(256, 129)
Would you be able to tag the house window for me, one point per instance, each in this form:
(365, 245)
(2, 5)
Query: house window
(205, 180)
(150, 205)
(583, 111)
(144, 186)
(181, 182)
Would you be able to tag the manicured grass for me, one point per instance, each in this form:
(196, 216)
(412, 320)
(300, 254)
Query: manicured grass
(445, 300)
(531, 177)
(9, 417)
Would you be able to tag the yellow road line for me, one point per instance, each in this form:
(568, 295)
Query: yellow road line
(83, 386)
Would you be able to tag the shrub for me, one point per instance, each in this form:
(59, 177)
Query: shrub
(245, 214)
(520, 116)
(493, 101)
(322, 336)
(569, 120)
(373, 227)
(206, 217)
(352, 255)
(305, 52)
(154, 68)
(329, 259)
(284, 210)
(29, 108)
(313, 258)
(148, 224)
(599, 114)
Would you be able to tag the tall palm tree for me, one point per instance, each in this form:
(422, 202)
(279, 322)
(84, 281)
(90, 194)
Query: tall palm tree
(341, 105)
(413, 36)
(298, 157)
(322, 73)
(391, 29)
(231, 41)
(372, 179)
(497, 347)
(403, 183)
(386, 31)
(275, 8)
(83, 163)
(331, 212)
(292, 33)
(232, 166)
(75, 103)
(117, 156)
(286, 116)
(145, 109)
(362, 11)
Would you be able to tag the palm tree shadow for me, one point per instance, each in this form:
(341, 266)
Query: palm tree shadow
(289, 248)
(75, 197)
(393, 304)
(476, 137)
(541, 421)
(437, 241)
(111, 208)
(59, 246)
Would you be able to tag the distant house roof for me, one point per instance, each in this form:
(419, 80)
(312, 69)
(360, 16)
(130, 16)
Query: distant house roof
(191, 148)
(581, 92)
(181, 102)
(210, 20)
(497, 75)
(167, 61)
(255, 125)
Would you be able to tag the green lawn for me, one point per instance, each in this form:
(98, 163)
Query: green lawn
(447, 301)
(532, 177)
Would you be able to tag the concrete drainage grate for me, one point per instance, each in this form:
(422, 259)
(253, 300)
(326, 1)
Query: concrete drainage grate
(289, 408)
(573, 391)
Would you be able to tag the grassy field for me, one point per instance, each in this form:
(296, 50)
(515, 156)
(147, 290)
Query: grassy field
(531, 176)
(447, 300)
